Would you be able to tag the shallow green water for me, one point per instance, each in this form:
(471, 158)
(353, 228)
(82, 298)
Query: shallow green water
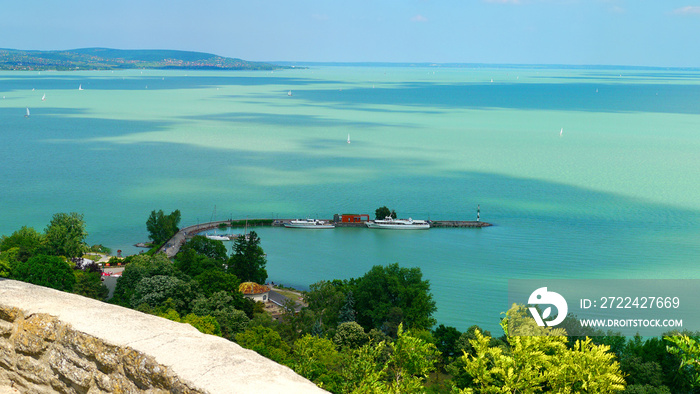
(616, 195)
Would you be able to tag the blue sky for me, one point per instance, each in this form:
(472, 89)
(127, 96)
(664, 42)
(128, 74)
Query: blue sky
(602, 32)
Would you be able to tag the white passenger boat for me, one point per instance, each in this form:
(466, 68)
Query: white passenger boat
(308, 223)
(218, 237)
(398, 224)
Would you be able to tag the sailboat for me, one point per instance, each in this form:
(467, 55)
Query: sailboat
(289, 93)
(80, 87)
(561, 132)
(27, 115)
(348, 138)
(216, 236)
(44, 97)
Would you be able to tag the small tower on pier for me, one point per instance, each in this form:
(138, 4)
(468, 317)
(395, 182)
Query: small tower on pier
(478, 212)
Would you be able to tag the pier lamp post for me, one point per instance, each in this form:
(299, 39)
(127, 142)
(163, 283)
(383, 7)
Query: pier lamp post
(478, 211)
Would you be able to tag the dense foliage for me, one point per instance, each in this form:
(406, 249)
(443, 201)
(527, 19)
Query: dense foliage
(48, 271)
(52, 258)
(383, 212)
(248, 259)
(387, 296)
(162, 227)
(65, 235)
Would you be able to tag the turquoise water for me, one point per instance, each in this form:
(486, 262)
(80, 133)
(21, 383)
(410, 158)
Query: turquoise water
(616, 195)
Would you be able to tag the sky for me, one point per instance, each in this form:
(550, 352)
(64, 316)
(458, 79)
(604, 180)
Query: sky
(662, 33)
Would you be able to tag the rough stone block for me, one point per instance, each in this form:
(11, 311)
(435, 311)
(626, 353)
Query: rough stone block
(33, 334)
(115, 383)
(45, 326)
(144, 371)
(70, 367)
(9, 313)
(28, 343)
(7, 355)
(33, 370)
(6, 328)
(107, 357)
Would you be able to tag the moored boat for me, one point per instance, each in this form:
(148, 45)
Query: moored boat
(398, 224)
(218, 237)
(308, 223)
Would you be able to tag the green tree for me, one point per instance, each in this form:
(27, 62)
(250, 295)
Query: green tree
(446, 341)
(397, 367)
(325, 299)
(162, 227)
(48, 271)
(383, 212)
(221, 306)
(646, 389)
(347, 312)
(248, 259)
(350, 335)
(688, 349)
(214, 281)
(211, 248)
(540, 362)
(155, 290)
(89, 284)
(8, 260)
(412, 359)
(640, 360)
(141, 266)
(266, 342)
(27, 241)
(364, 369)
(205, 324)
(65, 235)
(317, 360)
(387, 296)
(192, 263)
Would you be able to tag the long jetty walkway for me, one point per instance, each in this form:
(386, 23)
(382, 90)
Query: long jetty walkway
(172, 247)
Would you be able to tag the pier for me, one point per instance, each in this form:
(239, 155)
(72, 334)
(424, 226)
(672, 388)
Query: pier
(458, 223)
(172, 247)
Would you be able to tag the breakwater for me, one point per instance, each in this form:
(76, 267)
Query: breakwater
(172, 247)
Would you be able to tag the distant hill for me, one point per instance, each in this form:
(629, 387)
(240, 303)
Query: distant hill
(113, 59)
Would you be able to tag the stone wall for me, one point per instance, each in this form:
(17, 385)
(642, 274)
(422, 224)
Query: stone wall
(52, 341)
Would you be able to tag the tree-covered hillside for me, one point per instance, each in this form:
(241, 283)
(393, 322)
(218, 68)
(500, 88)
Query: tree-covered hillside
(111, 59)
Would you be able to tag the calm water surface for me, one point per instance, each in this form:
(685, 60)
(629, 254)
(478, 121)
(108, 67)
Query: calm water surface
(616, 195)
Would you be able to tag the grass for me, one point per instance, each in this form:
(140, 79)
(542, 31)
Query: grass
(294, 295)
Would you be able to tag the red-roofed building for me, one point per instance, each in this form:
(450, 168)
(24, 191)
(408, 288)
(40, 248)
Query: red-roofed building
(254, 291)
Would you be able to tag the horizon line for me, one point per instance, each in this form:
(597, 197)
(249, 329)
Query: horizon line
(394, 63)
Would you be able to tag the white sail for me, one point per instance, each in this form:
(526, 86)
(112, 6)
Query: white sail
(80, 87)
(348, 138)
(27, 115)
(44, 97)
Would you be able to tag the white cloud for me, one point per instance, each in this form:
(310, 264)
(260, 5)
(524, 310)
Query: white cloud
(687, 10)
(419, 18)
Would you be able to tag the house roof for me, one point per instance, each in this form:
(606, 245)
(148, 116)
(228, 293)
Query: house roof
(250, 288)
